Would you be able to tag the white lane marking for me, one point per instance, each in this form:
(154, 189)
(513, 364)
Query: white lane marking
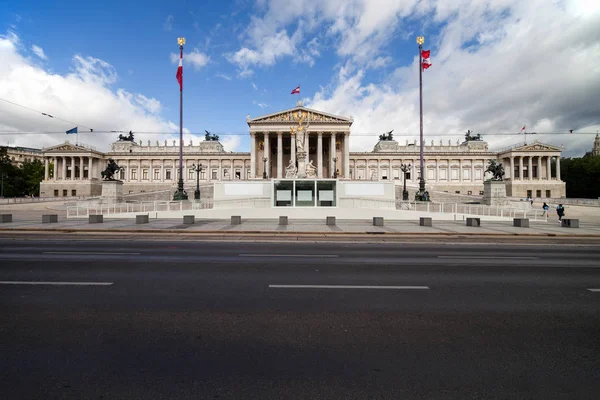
(348, 287)
(290, 255)
(594, 290)
(56, 283)
(493, 257)
(88, 253)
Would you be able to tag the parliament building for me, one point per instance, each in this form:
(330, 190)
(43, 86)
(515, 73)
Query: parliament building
(531, 169)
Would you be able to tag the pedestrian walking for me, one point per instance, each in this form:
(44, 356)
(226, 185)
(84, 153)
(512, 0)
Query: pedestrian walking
(560, 210)
(545, 207)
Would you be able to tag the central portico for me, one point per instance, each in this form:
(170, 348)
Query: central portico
(273, 143)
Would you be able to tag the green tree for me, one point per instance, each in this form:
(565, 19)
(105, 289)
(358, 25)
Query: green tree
(582, 176)
(8, 175)
(32, 173)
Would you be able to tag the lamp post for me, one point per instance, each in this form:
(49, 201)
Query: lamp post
(405, 168)
(180, 194)
(198, 169)
(2, 189)
(421, 196)
(264, 167)
(334, 159)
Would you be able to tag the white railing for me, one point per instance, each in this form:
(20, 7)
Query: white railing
(472, 209)
(20, 200)
(82, 210)
(359, 202)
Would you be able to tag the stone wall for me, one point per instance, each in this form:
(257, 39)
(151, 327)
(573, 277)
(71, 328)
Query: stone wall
(73, 188)
(519, 188)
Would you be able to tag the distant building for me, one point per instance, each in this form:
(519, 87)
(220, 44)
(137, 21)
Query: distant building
(451, 167)
(596, 149)
(19, 155)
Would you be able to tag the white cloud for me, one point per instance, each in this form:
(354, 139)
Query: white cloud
(168, 25)
(254, 86)
(230, 142)
(194, 58)
(39, 52)
(223, 76)
(83, 96)
(261, 105)
(272, 48)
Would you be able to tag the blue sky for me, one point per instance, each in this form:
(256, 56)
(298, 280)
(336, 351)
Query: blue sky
(109, 65)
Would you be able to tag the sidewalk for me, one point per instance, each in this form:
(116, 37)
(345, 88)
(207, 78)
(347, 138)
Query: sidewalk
(351, 227)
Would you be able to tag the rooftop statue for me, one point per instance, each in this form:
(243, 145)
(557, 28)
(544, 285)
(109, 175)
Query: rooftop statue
(386, 136)
(469, 138)
(126, 138)
(209, 137)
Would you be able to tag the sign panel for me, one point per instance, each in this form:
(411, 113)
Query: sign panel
(363, 189)
(325, 195)
(284, 195)
(243, 189)
(304, 195)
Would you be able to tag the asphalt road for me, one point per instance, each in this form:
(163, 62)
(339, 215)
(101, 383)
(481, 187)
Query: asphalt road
(204, 320)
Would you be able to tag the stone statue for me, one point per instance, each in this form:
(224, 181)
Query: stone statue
(441, 144)
(432, 143)
(496, 169)
(126, 138)
(148, 143)
(449, 142)
(209, 137)
(157, 144)
(140, 142)
(191, 143)
(111, 169)
(311, 170)
(165, 142)
(173, 143)
(407, 142)
(290, 170)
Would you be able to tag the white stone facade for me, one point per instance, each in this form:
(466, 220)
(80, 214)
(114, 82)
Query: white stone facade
(453, 167)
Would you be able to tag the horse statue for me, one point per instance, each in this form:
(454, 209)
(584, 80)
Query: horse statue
(496, 169)
(126, 138)
(209, 137)
(111, 170)
(469, 138)
(387, 136)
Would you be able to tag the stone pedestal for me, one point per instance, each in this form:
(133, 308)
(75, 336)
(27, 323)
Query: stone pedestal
(494, 193)
(301, 157)
(112, 191)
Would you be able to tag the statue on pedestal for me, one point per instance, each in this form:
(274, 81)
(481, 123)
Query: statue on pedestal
(290, 170)
(111, 169)
(311, 170)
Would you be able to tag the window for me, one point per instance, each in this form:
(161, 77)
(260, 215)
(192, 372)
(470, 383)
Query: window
(191, 174)
(122, 174)
(73, 192)
(145, 174)
(481, 192)
(247, 174)
(407, 175)
(133, 174)
(478, 174)
(203, 174)
(529, 193)
(65, 192)
(466, 174)
(156, 174)
(238, 174)
(457, 192)
(168, 174)
(548, 194)
(55, 192)
(225, 173)
(538, 193)
(214, 174)
(396, 174)
(444, 174)
(454, 174)
(469, 192)
(431, 174)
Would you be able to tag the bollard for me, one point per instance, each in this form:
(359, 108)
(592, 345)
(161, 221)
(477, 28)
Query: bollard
(570, 223)
(377, 221)
(189, 219)
(141, 219)
(4, 218)
(330, 220)
(521, 222)
(283, 220)
(49, 218)
(473, 221)
(96, 219)
(236, 220)
(425, 221)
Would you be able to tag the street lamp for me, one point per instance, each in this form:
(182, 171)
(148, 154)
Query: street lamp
(334, 159)
(2, 190)
(198, 169)
(264, 167)
(405, 168)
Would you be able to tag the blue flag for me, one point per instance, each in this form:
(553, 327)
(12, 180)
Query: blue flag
(70, 131)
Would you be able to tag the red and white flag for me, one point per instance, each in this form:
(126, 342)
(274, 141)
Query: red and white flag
(425, 60)
(523, 128)
(296, 91)
(179, 75)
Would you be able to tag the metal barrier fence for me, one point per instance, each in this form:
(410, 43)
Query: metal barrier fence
(472, 209)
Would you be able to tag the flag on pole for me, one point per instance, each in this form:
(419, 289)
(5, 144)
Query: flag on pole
(523, 128)
(296, 91)
(179, 75)
(71, 131)
(425, 60)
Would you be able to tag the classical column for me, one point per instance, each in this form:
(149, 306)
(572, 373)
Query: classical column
(80, 167)
(279, 155)
(220, 171)
(128, 172)
(332, 153)
(530, 168)
(162, 170)
(437, 170)
(90, 168)
(139, 168)
(252, 155)
(521, 168)
(472, 170)
(293, 148)
(320, 154)
(243, 177)
(558, 168)
(306, 147)
(549, 168)
(54, 168)
(46, 168)
(72, 167)
(347, 156)
(512, 168)
(267, 153)
(460, 170)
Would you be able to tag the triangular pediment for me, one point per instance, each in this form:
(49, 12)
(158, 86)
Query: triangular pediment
(292, 115)
(536, 146)
(66, 146)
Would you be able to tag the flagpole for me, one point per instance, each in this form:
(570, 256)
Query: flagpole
(420, 195)
(180, 194)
